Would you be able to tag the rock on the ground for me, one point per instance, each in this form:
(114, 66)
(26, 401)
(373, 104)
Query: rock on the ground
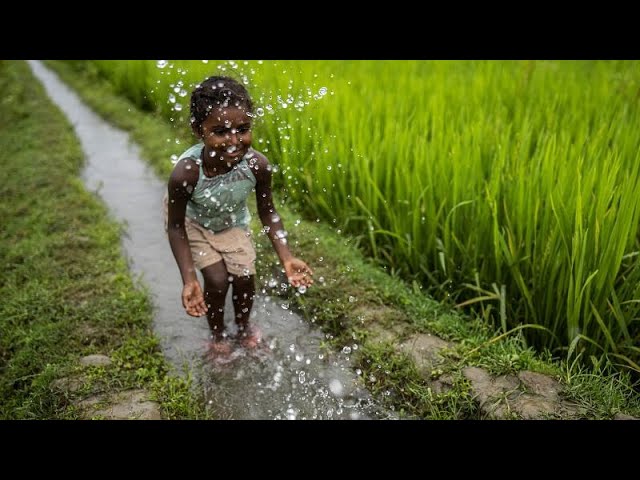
(424, 349)
(95, 360)
(530, 395)
(125, 405)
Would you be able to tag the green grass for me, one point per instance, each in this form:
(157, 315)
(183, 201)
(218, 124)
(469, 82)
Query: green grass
(355, 286)
(66, 290)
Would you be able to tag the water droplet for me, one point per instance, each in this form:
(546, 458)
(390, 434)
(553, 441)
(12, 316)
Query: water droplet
(285, 306)
(260, 111)
(302, 289)
(346, 350)
(299, 357)
(336, 387)
(162, 63)
(230, 278)
(177, 107)
(328, 167)
(321, 279)
(273, 283)
(323, 91)
(352, 299)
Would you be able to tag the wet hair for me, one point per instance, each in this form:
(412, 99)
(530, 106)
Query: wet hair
(214, 92)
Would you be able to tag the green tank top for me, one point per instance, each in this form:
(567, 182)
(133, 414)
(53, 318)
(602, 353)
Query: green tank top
(220, 202)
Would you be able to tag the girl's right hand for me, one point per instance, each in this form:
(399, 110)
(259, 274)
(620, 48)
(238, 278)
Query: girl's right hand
(193, 299)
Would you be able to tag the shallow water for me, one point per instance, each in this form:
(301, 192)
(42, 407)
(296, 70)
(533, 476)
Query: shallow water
(290, 377)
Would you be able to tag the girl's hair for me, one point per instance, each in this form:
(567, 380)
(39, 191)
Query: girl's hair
(214, 92)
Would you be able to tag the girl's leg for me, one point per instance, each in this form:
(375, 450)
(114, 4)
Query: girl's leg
(244, 289)
(216, 285)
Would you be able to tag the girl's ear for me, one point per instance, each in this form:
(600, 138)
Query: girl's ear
(196, 130)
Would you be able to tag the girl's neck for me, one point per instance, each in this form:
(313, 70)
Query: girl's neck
(213, 166)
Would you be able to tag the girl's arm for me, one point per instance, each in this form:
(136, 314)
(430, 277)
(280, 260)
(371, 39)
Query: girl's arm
(298, 272)
(181, 183)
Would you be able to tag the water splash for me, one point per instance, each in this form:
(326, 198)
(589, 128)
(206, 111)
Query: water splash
(291, 376)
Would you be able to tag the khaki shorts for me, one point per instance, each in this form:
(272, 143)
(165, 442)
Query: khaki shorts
(234, 246)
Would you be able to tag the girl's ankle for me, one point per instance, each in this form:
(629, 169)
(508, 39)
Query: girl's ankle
(218, 337)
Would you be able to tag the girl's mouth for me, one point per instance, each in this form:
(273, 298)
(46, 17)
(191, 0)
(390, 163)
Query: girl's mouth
(233, 151)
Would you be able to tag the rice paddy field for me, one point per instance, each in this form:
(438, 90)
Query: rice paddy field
(510, 188)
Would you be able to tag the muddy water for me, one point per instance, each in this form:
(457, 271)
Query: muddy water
(290, 377)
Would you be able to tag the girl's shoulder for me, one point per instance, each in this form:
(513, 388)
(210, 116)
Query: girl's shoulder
(187, 168)
(259, 164)
(194, 152)
(258, 160)
(192, 156)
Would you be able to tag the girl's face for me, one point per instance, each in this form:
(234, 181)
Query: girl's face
(226, 132)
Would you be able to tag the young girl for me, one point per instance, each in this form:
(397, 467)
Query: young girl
(207, 214)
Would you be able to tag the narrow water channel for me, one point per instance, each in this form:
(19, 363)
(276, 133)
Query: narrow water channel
(292, 377)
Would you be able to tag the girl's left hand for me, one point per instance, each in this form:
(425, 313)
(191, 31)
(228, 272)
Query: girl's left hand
(298, 272)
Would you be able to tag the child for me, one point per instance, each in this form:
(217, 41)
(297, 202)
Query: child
(207, 215)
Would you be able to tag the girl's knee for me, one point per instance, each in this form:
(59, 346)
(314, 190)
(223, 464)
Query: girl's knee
(243, 280)
(216, 278)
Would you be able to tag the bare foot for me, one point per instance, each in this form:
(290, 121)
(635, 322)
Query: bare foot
(250, 338)
(219, 349)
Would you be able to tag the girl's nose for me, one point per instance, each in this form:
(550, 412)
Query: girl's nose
(233, 137)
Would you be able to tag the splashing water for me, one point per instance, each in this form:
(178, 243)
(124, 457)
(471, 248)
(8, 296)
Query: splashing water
(290, 376)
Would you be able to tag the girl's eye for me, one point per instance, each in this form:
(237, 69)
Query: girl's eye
(220, 132)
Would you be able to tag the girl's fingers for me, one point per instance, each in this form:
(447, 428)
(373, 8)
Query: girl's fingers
(300, 279)
(195, 307)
